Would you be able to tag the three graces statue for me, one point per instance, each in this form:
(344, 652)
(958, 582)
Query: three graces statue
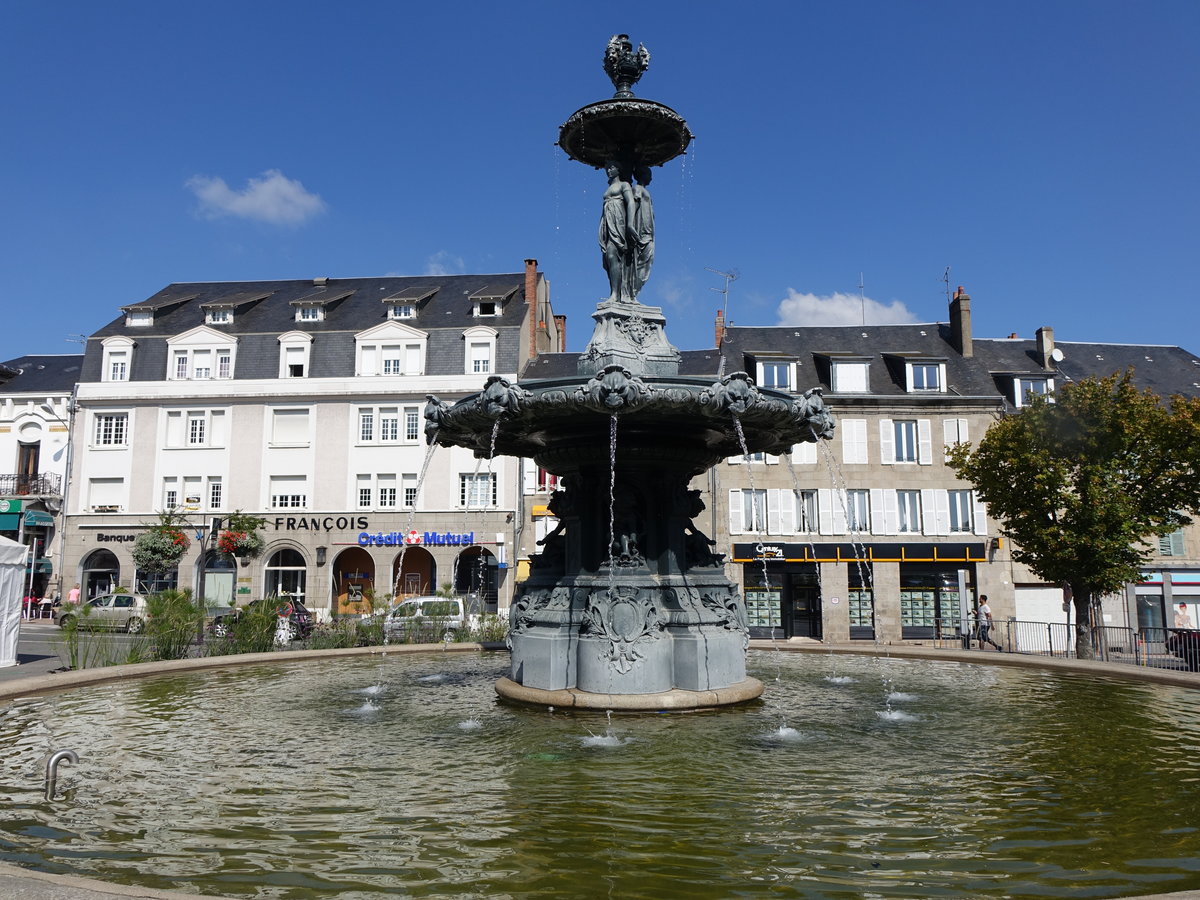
(626, 232)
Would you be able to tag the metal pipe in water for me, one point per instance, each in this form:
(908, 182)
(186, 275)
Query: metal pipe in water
(52, 765)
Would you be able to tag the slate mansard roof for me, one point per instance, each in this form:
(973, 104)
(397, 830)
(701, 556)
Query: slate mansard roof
(48, 374)
(263, 310)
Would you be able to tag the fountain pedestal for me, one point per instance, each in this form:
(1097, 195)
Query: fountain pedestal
(632, 336)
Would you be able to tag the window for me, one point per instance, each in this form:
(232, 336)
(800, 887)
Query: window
(310, 314)
(804, 453)
(171, 494)
(402, 311)
(955, 432)
(854, 441)
(477, 490)
(294, 362)
(850, 377)
(1171, 544)
(106, 494)
(118, 366)
(806, 512)
(140, 318)
(754, 510)
(111, 429)
(290, 428)
(390, 349)
(487, 308)
(1025, 388)
(285, 575)
(195, 428)
(289, 492)
(481, 357)
(960, 512)
(409, 491)
(858, 510)
(118, 353)
(776, 375)
(905, 431)
(908, 505)
(216, 494)
(189, 495)
(219, 317)
(366, 491)
(382, 425)
(906, 441)
(387, 491)
(924, 376)
(201, 354)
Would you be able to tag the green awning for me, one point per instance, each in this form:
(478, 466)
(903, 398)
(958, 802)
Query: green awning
(35, 518)
(10, 521)
(42, 566)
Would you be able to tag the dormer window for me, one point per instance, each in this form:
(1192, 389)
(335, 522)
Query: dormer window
(775, 374)
(219, 317)
(139, 318)
(310, 314)
(402, 311)
(850, 376)
(118, 356)
(487, 308)
(926, 376)
(294, 352)
(1026, 387)
(201, 354)
(480, 350)
(489, 300)
(390, 349)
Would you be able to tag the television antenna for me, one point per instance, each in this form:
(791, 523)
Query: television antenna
(862, 298)
(946, 281)
(729, 277)
(76, 338)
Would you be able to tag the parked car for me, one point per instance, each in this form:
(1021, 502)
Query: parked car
(429, 618)
(1185, 643)
(297, 614)
(120, 611)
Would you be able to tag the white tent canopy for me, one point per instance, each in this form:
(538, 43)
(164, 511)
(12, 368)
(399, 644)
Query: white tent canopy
(12, 578)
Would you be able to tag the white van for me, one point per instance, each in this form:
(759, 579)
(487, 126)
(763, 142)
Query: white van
(431, 618)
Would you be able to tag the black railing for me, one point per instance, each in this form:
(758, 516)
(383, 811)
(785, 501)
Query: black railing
(1137, 647)
(29, 485)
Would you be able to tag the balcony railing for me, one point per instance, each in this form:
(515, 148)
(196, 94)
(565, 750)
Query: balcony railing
(46, 484)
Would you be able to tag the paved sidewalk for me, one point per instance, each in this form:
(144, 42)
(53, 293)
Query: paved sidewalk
(37, 650)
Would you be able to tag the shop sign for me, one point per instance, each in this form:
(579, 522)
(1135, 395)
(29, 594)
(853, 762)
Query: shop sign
(319, 523)
(11, 506)
(116, 538)
(428, 538)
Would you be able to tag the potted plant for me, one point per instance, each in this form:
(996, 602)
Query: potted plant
(240, 536)
(160, 547)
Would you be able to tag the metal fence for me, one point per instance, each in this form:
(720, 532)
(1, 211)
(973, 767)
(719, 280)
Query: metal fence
(1138, 647)
(26, 485)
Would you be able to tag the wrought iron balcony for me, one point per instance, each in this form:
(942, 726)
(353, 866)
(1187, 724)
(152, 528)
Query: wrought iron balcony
(45, 485)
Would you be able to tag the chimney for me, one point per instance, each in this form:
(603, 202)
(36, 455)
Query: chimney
(960, 323)
(531, 298)
(560, 322)
(720, 328)
(1045, 346)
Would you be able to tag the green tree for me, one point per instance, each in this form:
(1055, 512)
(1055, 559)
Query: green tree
(1082, 480)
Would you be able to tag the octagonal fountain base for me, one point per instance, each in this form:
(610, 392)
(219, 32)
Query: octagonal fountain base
(674, 700)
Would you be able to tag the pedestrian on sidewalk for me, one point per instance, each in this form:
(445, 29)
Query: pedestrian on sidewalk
(983, 619)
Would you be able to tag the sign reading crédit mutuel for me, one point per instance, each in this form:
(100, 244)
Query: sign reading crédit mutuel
(367, 538)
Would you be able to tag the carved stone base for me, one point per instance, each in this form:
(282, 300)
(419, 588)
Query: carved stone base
(630, 335)
(673, 700)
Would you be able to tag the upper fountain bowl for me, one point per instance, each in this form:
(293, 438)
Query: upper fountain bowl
(630, 130)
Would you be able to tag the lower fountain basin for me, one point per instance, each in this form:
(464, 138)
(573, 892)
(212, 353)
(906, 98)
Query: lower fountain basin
(371, 777)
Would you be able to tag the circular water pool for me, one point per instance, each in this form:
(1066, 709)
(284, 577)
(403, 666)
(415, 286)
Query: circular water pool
(404, 776)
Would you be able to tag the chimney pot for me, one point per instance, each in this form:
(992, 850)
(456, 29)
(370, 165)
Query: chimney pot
(1045, 346)
(960, 323)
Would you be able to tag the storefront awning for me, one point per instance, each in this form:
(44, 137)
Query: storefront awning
(35, 518)
(41, 566)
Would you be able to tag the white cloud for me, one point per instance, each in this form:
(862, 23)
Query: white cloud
(445, 263)
(272, 197)
(840, 309)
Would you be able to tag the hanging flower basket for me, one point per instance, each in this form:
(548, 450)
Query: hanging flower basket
(161, 548)
(242, 544)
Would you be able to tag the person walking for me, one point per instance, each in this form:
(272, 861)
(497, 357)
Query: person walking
(983, 619)
(73, 594)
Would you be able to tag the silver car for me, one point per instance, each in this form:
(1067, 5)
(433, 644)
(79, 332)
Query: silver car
(121, 611)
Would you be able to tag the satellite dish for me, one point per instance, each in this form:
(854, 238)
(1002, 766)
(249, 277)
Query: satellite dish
(1057, 355)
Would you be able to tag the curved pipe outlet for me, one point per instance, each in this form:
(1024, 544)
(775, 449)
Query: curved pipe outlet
(52, 764)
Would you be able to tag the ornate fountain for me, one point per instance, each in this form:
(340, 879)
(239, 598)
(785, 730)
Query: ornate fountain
(627, 605)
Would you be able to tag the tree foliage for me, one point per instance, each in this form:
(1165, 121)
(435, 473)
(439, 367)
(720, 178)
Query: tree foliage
(1082, 480)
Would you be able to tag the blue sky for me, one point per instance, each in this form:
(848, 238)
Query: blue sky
(1045, 151)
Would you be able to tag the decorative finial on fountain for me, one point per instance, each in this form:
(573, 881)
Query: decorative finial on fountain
(623, 65)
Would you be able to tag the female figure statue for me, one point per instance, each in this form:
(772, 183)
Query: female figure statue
(643, 231)
(615, 235)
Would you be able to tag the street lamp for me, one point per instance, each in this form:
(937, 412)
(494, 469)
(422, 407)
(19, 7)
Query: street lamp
(62, 513)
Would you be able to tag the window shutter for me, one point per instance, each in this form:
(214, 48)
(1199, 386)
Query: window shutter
(735, 460)
(955, 431)
(924, 442)
(735, 512)
(366, 361)
(773, 512)
(529, 476)
(942, 518)
(839, 511)
(804, 454)
(825, 506)
(787, 512)
(217, 436)
(891, 509)
(879, 517)
(929, 511)
(978, 514)
(174, 429)
(854, 441)
(887, 442)
(770, 460)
